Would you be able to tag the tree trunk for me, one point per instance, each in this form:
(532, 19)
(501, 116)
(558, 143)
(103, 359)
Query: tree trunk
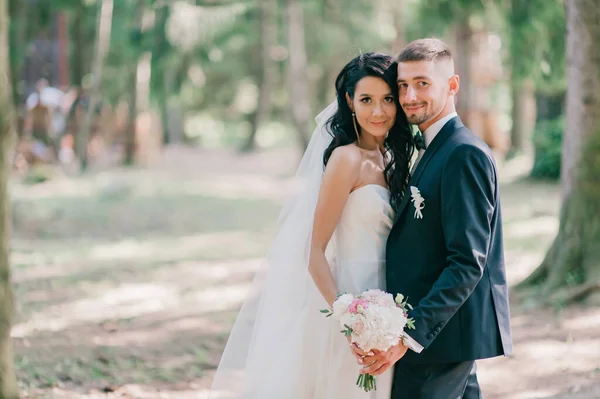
(8, 381)
(268, 70)
(398, 10)
(173, 113)
(130, 132)
(572, 268)
(297, 72)
(103, 28)
(159, 70)
(464, 52)
(523, 114)
(18, 18)
(549, 105)
(78, 56)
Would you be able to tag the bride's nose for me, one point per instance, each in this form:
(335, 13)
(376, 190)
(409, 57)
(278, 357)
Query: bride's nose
(377, 110)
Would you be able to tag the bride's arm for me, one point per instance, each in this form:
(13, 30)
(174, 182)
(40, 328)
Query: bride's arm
(340, 177)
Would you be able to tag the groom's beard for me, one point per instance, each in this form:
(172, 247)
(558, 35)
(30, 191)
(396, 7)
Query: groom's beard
(415, 119)
(418, 119)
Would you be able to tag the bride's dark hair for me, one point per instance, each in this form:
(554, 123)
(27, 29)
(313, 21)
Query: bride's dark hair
(399, 142)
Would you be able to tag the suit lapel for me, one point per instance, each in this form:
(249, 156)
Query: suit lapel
(450, 127)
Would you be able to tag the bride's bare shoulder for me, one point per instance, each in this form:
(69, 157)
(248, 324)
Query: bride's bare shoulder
(349, 155)
(343, 168)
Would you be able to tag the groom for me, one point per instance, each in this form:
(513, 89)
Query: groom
(445, 250)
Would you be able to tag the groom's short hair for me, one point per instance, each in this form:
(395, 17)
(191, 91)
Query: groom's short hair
(429, 49)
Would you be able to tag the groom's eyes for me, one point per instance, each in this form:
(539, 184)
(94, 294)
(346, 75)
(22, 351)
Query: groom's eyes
(421, 84)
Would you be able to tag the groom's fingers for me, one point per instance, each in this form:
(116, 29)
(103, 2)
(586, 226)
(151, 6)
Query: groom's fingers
(376, 368)
(375, 356)
(381, 370)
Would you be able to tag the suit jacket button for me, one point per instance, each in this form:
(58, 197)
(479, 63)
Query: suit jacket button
(429, 336)
(437, 330)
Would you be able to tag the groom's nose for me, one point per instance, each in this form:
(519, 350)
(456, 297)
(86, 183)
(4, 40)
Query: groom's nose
(410, 95)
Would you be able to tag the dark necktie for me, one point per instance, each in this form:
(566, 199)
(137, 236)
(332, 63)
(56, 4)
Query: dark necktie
(420, 141)
(421, 146)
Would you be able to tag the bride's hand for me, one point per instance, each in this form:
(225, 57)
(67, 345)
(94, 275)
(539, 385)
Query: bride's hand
(380, 362)
(357, 352)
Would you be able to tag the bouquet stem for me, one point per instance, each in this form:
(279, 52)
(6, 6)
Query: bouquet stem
(366, 382)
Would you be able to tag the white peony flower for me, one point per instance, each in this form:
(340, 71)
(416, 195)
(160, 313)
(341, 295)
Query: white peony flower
(359, 324)
(340, 306)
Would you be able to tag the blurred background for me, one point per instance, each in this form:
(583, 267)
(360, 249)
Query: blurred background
(156, 141)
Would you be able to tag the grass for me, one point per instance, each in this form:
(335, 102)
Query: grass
(128, 281)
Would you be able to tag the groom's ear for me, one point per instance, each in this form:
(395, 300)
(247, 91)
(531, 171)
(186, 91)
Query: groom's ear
(453, 84)
(349, 101)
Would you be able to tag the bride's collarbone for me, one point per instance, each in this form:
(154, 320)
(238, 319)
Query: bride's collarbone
(370, 173)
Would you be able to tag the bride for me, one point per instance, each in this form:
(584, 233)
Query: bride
(331, 239)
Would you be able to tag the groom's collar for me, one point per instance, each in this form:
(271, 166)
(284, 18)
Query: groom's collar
(432, 131)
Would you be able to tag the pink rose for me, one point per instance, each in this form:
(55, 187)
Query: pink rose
(353, 307)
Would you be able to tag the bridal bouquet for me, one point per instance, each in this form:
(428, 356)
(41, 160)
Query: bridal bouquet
(372, 320)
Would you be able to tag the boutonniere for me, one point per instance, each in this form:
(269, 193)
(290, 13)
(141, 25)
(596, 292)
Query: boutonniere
(419, 201)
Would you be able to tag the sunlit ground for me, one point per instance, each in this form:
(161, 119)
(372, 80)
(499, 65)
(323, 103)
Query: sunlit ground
(127, 282)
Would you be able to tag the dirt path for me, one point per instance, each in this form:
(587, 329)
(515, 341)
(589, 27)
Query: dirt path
(127, 282)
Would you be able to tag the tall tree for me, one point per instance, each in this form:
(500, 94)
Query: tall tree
(77, 57)
(268, 71)
(297, 71)
(18, 39)
(531, 33)
(571, 268)
(135, 44)
(160, 74)
(8, 381)
(398, 9)
(103, 28)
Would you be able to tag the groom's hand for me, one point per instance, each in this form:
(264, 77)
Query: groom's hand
(380, 362)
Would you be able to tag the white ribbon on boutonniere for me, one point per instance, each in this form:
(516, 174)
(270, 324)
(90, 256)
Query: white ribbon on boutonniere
(419, 201)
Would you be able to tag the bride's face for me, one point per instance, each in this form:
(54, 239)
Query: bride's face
(374, 106)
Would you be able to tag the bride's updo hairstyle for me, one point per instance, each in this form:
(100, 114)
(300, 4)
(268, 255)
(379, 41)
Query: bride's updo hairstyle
(399, 142)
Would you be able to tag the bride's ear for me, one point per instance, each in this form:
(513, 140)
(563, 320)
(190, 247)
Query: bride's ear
(349, 101)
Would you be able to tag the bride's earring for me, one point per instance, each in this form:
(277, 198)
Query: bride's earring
(355, 127)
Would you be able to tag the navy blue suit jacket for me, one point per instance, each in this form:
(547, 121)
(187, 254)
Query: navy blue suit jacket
(450, 263)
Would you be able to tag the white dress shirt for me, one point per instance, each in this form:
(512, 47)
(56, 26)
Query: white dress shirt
(432, 131)
(429, 134)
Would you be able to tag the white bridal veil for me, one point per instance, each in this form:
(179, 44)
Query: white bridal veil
(274, 330)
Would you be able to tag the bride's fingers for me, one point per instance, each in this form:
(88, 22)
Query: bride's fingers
(357, 353)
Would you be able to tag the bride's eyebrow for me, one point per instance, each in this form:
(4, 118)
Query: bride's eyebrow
(370, 95)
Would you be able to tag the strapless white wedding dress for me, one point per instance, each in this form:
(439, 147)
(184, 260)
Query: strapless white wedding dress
(360, 240)
(302, 354)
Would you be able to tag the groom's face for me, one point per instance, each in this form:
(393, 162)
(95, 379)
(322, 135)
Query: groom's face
(423, 90)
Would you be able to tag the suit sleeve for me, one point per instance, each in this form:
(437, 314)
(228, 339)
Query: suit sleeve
(468, 198)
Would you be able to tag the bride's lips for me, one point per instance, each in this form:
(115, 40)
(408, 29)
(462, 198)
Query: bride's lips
(378, 124)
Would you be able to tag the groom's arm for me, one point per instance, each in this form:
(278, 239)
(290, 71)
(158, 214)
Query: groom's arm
(468, 198)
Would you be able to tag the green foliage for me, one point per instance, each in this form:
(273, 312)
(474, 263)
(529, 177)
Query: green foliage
(547, 141)
(536, 33)
(205, 55)
(436, 16)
